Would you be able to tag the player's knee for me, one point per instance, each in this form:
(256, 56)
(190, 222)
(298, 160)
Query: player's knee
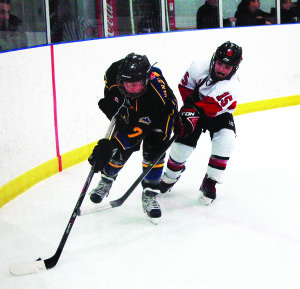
(180, 152)
(223, 142)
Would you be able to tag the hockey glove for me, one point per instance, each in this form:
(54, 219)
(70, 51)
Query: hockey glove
(102, 153)
(192, 99)
(186, 121)
(110, 105)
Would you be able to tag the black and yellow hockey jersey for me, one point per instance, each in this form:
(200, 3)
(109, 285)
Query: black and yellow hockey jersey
(153, 111)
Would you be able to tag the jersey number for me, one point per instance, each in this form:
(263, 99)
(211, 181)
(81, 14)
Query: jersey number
(224, 98)
(184, 80)
(138, 132)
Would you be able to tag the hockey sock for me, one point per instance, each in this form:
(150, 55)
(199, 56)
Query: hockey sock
(173, 171)
(153, 177)
(216, 167)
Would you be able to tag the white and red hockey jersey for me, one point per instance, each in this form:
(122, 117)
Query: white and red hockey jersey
(215, 98)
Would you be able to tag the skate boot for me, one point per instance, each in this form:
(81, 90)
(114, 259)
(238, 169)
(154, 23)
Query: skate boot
(207, 191)
(150, 204)
(166, 183)
(102, 190)
(164, 187)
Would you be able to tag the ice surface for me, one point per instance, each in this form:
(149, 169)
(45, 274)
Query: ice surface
(249, 238)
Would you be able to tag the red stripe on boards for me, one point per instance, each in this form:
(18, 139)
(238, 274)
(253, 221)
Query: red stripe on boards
(55, 109)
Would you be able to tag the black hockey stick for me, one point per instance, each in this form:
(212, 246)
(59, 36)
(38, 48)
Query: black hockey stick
(122, 199)
(24, 268)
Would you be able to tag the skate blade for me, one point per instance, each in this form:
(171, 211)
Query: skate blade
(153, 221)
(204, 200)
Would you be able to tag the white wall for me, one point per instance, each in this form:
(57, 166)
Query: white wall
(270, 69)
(26, 112)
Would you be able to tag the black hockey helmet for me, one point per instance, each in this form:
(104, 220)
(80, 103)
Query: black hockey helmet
(228, 53)
(134, 68)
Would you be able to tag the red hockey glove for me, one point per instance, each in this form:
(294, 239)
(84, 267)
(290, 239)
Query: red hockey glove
(186, 121)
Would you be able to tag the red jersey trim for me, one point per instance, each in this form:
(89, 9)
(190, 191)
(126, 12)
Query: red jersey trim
(184, 91)
(210, 106)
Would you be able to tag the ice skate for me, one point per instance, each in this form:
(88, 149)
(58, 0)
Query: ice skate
(166, 183)
(164, 187)
(102, 190)
(207, 191)
(150, 205)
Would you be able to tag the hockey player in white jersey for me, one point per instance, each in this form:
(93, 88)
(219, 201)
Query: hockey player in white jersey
(209, 90)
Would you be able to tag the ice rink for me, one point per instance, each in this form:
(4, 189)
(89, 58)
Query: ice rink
(249, 238)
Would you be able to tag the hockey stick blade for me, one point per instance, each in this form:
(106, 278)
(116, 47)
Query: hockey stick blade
(117, 203)
(91, 208)
(24, 268)
(39, 265)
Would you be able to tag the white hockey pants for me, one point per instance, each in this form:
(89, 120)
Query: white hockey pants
(223, 143)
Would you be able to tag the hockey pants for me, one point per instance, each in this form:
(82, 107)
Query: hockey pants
(222, 146)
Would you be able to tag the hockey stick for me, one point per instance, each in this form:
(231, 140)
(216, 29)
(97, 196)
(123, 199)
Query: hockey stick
(122, 199)
(24, 268)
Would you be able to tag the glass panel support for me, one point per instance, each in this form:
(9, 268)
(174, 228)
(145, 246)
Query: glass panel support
(221, 13)
(163, 15)
(104, 11)
(47, 17)
(278, 11)
(167, 15)
(131, 17)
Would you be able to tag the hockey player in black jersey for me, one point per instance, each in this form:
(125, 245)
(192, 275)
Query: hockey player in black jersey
(145, 108)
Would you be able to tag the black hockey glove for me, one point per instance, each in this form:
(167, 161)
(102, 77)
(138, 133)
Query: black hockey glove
(110, 105)
(186, 121)
(192, 99)
(102, 153)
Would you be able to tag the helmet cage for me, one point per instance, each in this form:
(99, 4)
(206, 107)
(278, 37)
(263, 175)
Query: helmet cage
(134, 68)
(123, 90)
(229, 54)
